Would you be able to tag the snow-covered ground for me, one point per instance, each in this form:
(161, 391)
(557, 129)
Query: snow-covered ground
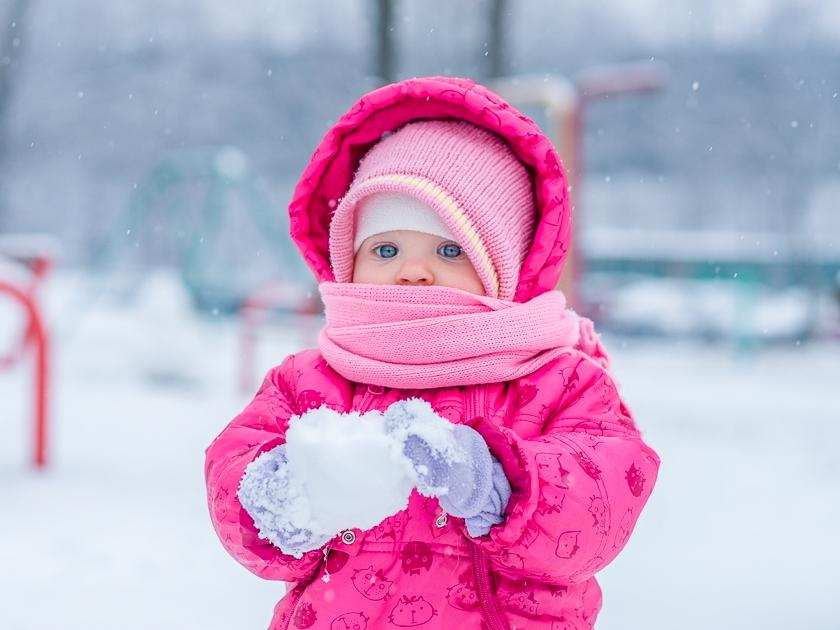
(740, 532)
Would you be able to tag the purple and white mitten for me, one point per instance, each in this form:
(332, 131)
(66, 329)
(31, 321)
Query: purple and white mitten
(279, 506)
(451, 462)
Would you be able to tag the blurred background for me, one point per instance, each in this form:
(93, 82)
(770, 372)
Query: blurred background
(148, 151)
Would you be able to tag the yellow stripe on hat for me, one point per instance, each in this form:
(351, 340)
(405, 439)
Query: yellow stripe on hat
(447, 203)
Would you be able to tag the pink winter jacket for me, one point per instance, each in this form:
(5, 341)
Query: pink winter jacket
(579, 471)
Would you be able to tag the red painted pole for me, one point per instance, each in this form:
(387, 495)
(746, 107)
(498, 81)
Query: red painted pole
(254, 311)
(249, 316)
(41, 388)
(35, 333)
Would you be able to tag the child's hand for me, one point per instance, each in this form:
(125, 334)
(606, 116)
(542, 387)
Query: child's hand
(451, 462)
(278, 505)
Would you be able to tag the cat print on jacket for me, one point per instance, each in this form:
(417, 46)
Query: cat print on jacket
(411, 611)
(372, 584)
(416, 557)
(350, 621)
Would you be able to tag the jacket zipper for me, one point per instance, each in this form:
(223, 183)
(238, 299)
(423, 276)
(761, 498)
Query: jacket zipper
(292, 610)
(489, 606)
(367, 400)
(325, 578)
(469, 404)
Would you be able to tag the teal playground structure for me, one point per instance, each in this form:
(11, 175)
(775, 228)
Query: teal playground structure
(206, 213)
(749, 288)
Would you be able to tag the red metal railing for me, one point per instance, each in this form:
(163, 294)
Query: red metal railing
(294, 299)
(565, 103)
(35, 335)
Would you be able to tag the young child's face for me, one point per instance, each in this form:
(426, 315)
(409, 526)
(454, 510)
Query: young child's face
(415, 258)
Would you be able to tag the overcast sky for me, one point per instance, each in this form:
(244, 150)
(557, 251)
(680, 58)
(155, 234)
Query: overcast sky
(295, 23)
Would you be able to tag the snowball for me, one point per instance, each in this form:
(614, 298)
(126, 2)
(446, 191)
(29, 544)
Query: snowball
(354, 473)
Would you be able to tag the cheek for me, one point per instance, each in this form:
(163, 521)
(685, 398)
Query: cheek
(476, 285)
(464, 278)
(360, 270)
(366, 273)
(359, 274)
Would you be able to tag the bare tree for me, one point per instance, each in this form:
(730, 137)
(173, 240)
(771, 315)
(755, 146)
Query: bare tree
(385, 61)
(496, 42)
(11, 47)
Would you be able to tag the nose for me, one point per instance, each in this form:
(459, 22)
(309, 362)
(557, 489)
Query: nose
(415, 271)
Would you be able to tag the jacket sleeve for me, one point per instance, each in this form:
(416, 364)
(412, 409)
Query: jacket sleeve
(260, 427)
(578, 486)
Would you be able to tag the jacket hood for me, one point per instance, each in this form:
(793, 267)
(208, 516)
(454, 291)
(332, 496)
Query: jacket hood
(330, 170)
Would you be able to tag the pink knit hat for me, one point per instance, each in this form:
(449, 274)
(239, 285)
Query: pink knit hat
(469, 176)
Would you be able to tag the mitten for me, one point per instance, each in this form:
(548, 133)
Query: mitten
(277, 504)
(494, 508)
(451, 462)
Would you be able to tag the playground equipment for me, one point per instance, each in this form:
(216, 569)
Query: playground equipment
(207, 213)
(707, 261)
(24, 263)
(291, 299)
(565, 102)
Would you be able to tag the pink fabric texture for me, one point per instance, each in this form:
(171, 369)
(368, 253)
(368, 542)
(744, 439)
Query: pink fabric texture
(380, 334)
(473, 180)
(580, 475)
(579, 469)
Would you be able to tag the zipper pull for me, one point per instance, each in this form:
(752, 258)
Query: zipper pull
(326, 577)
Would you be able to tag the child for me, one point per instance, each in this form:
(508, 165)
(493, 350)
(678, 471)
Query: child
(437, 220)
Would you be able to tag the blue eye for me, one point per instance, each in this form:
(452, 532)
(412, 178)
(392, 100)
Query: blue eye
(386, 251)
(450, 250)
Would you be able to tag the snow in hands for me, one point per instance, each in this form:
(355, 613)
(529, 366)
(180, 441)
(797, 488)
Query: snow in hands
(339, 471)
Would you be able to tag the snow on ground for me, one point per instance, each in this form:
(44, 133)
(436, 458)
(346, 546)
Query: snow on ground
(740, 531)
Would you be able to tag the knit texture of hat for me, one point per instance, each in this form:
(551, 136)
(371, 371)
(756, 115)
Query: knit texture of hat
(469, 176)
(388, 211)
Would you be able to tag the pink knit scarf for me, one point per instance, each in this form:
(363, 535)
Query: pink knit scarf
(412, 337)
